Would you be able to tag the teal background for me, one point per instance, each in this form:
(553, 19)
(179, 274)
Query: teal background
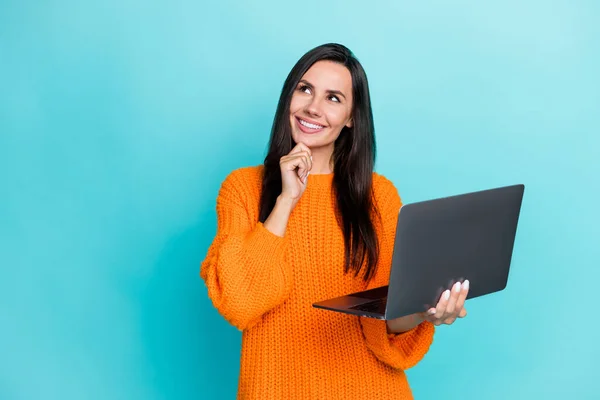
(120, 119)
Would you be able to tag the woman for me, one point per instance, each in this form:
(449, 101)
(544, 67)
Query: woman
(312, 223)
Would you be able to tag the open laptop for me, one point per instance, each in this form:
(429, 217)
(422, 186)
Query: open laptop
(439, 242)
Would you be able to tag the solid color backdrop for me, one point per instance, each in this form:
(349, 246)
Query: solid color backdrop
(120, 119)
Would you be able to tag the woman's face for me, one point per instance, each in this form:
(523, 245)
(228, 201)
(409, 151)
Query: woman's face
(321, 104)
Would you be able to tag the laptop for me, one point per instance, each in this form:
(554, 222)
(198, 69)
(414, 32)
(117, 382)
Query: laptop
(439, 242)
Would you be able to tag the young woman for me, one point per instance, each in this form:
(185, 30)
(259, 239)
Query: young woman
(312, 223)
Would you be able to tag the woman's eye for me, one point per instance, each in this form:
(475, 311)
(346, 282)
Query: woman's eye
(307, 89)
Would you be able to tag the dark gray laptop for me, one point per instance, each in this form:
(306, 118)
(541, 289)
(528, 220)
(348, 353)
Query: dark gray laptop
(439, 242)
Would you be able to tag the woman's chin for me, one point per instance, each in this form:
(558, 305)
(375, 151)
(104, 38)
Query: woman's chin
(307, 139)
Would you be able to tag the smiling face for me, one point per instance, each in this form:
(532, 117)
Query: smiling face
(321, 105)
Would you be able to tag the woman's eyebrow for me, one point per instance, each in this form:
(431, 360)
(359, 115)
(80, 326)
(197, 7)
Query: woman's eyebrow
(310, 85)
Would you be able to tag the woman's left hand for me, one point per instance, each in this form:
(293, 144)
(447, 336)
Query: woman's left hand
(450, 306)
(448, 309)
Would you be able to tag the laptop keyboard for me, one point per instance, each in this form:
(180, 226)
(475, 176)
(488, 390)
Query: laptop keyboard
(376, 306)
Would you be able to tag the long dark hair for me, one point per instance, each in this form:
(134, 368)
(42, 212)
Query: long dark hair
(353, 158)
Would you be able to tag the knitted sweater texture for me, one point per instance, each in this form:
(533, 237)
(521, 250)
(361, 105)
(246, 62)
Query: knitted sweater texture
(265, 285)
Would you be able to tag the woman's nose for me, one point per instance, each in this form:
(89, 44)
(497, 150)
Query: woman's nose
(314, 107)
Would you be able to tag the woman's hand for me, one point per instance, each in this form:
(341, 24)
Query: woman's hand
(448, 309)
(450, 306)
(294, 171)
(295, 168)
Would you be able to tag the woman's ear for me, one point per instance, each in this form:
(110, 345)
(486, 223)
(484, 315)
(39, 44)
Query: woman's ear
(349, 123)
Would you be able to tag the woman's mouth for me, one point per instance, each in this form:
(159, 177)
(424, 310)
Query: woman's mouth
(308, 127)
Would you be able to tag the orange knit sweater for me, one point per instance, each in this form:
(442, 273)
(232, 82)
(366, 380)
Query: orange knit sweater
(265, 285)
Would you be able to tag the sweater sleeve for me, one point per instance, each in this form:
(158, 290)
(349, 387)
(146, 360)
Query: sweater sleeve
(404, 350)
(245, 269)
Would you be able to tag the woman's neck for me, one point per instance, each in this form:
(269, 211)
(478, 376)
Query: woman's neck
(322, 160)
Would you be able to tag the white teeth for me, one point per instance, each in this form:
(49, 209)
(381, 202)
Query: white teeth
(309, 125)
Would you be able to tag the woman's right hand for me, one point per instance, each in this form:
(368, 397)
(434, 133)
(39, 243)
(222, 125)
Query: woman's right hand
(295, 168)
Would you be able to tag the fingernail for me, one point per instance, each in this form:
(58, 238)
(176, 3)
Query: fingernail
(457, 287)
(466, 284)
(431, 311)
(446, 295)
